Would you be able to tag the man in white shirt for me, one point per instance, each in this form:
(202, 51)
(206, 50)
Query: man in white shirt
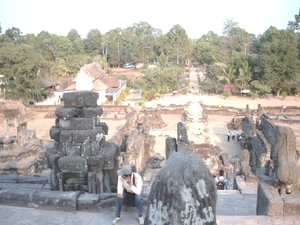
(129, 183)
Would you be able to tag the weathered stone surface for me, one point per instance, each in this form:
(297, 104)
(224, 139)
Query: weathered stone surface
(183, 192)
(91, 112)
(79, 136)
(183, 143)
(245, 159)
(268, 200)
(65, 113)
(108, 153)
(55, 200)
(171, 146)
(104, 127)
(72, 163)
(287, 170)
(16, 197)
(54, 133)
(80, 99)
(88, 203)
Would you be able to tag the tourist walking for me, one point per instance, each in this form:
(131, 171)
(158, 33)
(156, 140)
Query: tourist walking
(221, 181)
(129, 186)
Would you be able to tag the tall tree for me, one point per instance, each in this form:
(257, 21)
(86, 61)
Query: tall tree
(92, 43)
(180, 46)
(279, 58)
(73, 35)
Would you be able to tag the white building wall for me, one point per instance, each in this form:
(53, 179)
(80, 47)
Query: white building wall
(83, 82)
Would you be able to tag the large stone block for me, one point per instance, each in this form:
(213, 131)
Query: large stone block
(72, 163)
(80, 99)
(108, 153)
(104, 126)
(91, 112)
(65, 113)
(55, 200)
(79, 136)
(55, 133)
(88, 203)
(77, 124)
(16, 197)
(66, 136)
(269, 201)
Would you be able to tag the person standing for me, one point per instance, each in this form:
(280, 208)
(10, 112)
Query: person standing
(129, 185)
(233, 135)
(228, 135)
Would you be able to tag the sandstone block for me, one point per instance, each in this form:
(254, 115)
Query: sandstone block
(72, 163)
(91, 112)
(80, 99)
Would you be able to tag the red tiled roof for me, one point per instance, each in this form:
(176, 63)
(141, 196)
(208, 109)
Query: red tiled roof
(94, 70)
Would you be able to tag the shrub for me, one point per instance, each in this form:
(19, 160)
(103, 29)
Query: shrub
(283, 94)
(227, 94)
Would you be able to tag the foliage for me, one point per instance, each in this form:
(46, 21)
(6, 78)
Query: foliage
(279, 58)
(160, 81)
(226, 94)
(283, 94)
(229, 88)
(122, 96)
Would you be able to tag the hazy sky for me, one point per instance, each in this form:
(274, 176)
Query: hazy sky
(197, 17)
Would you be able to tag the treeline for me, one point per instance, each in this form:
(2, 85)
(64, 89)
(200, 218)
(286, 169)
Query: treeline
(237, 60)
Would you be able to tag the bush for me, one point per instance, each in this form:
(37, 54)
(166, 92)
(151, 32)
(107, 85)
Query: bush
(227, 94)
(254, 95)
(283, 94)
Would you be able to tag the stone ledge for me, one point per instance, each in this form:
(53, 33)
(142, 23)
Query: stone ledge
(270, 203)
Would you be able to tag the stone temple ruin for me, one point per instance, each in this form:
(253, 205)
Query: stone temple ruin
(81, 157)
(81, 160)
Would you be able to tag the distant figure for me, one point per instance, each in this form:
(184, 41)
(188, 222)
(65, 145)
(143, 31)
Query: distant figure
(221, 181)
(239, 137)
(200, 132)
(233, 135)
(228, 135)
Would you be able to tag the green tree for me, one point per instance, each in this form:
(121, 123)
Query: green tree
(180, 46)
(73, 35)
(207, 49)
(279, 58)
(92, 43)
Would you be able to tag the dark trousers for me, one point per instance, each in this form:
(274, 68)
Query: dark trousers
(137, 200)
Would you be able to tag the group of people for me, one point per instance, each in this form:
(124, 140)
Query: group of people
(232, 136)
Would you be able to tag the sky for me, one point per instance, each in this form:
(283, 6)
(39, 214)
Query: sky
(197, 17)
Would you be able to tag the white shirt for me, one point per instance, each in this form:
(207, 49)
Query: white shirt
(136, 189)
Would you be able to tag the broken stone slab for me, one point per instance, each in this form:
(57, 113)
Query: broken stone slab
(80, 99)
(79, 136)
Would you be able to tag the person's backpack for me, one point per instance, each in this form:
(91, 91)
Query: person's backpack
(220, 185)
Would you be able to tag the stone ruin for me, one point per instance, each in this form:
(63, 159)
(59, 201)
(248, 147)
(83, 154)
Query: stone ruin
(183, 191)
(275, 160)
(81, 159)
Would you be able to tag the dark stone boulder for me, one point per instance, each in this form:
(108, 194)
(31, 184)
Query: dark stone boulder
(183, 192)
